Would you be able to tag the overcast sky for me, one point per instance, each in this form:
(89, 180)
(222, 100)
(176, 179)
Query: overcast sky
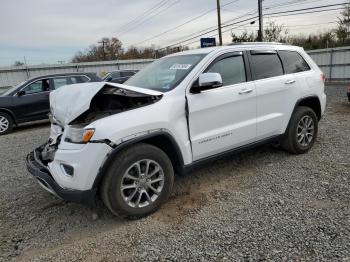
(47, 31)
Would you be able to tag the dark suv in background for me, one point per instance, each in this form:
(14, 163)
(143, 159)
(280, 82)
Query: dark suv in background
(29, 101)
(119, 76)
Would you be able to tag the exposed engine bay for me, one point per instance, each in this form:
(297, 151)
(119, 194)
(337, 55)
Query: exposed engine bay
(108, 100)
(112, 100)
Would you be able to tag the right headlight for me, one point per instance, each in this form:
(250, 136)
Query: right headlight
(79, 135)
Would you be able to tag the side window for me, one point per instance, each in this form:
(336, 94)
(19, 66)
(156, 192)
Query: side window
(266, 65)
(37, 87)
(293, 62)
(78, 79)
(62, 81)
(126, 73)
(231, 68)
(115, 75)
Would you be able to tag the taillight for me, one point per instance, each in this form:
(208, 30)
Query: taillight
(323, 77)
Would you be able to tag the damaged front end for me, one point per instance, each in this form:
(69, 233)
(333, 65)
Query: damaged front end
(111, 100)
(63, 162)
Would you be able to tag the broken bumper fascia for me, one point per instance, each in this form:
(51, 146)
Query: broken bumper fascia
(42, 174)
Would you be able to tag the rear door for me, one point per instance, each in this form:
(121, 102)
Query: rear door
(274, 90)
(223, 118)
(34, 103)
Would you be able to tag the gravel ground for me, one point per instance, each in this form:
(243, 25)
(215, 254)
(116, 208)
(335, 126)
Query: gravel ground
(263, 204)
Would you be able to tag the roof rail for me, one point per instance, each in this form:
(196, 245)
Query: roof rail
(258, 43)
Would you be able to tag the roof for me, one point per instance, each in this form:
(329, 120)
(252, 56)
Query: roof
(239, 46)
(92, 76)
(124, 70)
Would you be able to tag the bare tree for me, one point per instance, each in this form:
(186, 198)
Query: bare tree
(106, 49)
(275, 33)
(244, 37)
(343, 29)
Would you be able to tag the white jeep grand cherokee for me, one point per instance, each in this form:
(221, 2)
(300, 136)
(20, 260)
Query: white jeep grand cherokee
(125, 142)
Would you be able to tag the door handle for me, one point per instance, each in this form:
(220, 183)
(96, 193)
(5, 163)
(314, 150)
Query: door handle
(291, 81)
(245, 91)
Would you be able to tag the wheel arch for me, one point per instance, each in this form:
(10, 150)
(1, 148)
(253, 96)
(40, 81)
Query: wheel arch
(10, 113)
(160, 139)
(312, 102)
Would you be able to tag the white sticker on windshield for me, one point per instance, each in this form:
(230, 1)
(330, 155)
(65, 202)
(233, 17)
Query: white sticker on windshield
(180, 66)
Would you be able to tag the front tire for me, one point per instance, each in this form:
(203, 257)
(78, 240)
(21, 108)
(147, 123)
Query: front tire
(138, 182)
(6, 123)
(301, 132)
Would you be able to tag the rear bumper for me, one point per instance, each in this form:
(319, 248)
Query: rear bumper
(42, 174)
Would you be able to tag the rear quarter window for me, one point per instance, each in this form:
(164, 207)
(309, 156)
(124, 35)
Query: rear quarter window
(126, 74)
(293, 62)
(79, 79)
(266, 65)
(61, 81)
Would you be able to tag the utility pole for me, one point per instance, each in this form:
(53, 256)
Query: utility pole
(27, 70)
(219, 21)
(103, 42)
(261, 23)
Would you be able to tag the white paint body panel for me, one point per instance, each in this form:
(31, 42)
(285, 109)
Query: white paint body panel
(219, 119)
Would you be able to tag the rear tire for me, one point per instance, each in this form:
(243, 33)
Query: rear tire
(301, 132)
(6, 123)
(138, 182)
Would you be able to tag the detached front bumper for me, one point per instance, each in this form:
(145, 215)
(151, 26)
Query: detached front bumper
(42, 174)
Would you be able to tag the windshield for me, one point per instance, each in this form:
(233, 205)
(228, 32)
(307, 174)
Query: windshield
(166, 73)
(11, 89)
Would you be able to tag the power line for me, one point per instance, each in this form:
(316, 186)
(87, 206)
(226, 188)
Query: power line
(183, 24)
(303, 13)
(275, 13)
(141, 22)
(212, 27)
(289, 26)
(206, 33)
(290, 3)
(309, 8)
(141, 16)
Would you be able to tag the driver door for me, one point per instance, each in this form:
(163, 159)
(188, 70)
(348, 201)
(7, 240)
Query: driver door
(34, 103)
(223, 118)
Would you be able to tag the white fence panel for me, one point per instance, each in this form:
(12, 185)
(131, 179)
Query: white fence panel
(10, 76)
(334, 62)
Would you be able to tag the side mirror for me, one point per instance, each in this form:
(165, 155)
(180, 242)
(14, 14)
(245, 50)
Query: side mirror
(21, 93)
(207, 81)
(211, 80)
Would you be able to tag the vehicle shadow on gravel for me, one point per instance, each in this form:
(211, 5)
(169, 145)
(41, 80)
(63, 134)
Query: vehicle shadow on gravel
(213, 180)
(191, 192)
(31, 126)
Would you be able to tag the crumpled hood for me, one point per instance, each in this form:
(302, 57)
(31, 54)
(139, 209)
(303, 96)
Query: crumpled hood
(69, 102)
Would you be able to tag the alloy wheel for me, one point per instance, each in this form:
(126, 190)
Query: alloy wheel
(305, 131)
(142, 183)
(4, 124)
